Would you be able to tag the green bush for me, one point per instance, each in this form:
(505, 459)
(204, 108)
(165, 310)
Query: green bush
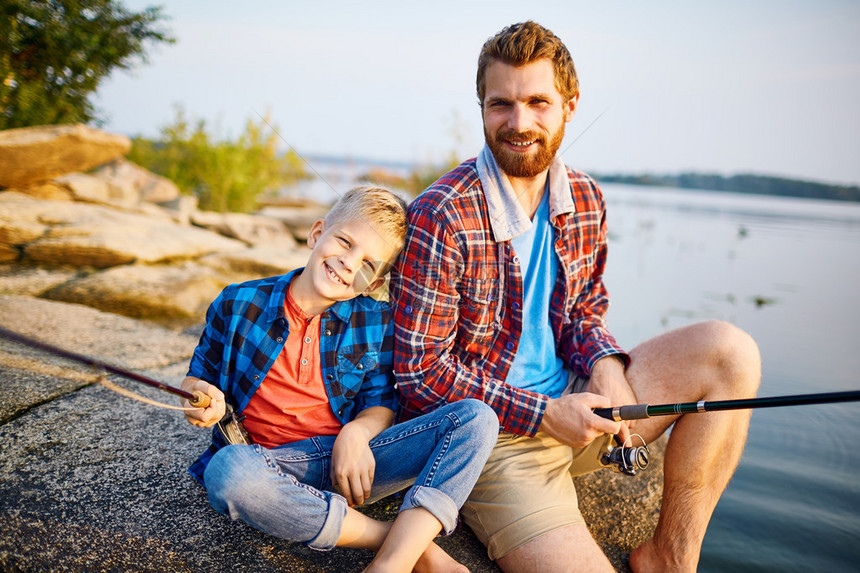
(224, 174)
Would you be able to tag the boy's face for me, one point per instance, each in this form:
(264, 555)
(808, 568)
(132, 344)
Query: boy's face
(348, 258)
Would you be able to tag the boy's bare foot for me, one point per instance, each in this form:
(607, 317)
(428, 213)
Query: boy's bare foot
(435, 560)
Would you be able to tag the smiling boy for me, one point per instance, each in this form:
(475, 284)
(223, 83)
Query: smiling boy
(307, 362)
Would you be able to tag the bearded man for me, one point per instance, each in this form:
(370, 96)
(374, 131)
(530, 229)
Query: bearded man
(499, 296)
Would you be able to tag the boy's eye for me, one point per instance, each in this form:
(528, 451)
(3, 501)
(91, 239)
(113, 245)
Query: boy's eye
(344, 242)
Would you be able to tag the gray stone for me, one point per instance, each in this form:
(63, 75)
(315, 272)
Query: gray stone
(136, 183)
(35, 154)
(257, 262)
(297, 219)
(254, 230)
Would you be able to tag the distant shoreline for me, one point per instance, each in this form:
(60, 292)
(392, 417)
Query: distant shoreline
(744, 183)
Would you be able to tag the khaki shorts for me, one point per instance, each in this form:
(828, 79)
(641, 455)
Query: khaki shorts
(526, 490)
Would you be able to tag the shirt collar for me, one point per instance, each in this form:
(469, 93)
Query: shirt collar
(507, 217)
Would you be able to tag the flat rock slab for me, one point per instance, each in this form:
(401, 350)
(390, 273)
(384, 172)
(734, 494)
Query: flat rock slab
(91, 481)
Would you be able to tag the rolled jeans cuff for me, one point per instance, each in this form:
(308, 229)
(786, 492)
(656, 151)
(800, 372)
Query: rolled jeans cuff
(439, 504)
(326, 539)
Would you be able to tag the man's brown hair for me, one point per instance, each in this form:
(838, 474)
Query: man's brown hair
(524, 43)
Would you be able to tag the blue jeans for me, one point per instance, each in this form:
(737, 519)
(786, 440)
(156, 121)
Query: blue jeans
(285, 491)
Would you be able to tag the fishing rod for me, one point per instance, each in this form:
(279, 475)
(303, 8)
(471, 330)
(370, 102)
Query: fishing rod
(629, 460)
(642, 411)
(197, 399)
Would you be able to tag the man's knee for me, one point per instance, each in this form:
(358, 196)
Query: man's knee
(735, 355)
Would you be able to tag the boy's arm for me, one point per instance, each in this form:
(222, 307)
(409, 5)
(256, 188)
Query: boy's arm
(352, 462)
(207, 417)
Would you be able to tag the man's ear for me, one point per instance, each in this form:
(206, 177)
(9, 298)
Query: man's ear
(570, 108)
(316, 230)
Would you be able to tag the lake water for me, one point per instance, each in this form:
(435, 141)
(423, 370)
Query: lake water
(788, 272)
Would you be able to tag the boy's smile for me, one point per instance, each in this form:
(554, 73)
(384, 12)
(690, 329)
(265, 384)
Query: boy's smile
(348, 258)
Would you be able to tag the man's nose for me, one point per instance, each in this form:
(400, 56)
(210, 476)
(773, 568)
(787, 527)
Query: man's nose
(520, 118)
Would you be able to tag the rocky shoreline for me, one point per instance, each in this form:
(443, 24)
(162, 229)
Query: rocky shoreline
(103, 258)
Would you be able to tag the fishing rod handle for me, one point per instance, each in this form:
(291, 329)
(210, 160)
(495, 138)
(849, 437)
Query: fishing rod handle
(200, 400)
(618, 413)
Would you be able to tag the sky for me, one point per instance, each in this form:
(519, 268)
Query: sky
(766, 87)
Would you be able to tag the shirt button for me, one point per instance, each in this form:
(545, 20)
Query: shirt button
(329, 377)
(304, 361)
(516, 305)
(307, 339)
(256, 376)
(280, 339)
(408, 309)
(360, 367)
(328, 332)
(509, 345)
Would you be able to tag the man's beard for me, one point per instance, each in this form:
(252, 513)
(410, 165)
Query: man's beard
(524, 164)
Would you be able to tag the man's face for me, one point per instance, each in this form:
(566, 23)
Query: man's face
(524, 116)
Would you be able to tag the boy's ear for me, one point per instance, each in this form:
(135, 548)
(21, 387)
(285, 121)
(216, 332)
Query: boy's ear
(374, 285)
(316, 230)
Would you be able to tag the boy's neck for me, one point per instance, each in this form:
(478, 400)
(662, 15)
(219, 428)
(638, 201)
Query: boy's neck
(305, 300)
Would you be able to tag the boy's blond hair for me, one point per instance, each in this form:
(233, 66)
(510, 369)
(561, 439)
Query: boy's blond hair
(378, 207)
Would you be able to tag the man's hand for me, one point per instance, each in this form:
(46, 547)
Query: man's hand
(607, 379)
(571, 420)
(352, 461)
(211, 414)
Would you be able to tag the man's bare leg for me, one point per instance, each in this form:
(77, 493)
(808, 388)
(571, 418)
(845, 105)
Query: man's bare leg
(707, 361)
(568, 549)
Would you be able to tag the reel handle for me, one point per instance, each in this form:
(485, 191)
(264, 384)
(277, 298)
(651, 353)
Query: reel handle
(200, 400)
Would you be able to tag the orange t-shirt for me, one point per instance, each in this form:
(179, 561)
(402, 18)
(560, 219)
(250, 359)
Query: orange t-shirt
(291, 403)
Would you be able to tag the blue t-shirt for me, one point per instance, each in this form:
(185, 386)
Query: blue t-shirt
(536, 366)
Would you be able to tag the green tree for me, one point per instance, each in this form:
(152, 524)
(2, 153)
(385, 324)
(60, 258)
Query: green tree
(55, 53)
(224, 174)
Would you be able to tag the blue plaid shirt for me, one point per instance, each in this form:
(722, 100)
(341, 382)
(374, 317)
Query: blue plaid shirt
(246, 330)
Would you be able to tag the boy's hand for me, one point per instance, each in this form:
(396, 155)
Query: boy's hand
(353, 464)
(352, 461)
(211, 414)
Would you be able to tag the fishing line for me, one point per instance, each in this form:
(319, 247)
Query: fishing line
(102, 379)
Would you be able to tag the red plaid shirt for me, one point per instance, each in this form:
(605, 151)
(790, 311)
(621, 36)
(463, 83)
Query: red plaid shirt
(457, 298)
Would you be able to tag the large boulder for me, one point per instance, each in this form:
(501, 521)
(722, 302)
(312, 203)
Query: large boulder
(31, 155)
(32, 281)
(176, 291)
(91, 235)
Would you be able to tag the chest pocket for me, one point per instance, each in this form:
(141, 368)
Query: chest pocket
(352, 369)
(477, 313)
